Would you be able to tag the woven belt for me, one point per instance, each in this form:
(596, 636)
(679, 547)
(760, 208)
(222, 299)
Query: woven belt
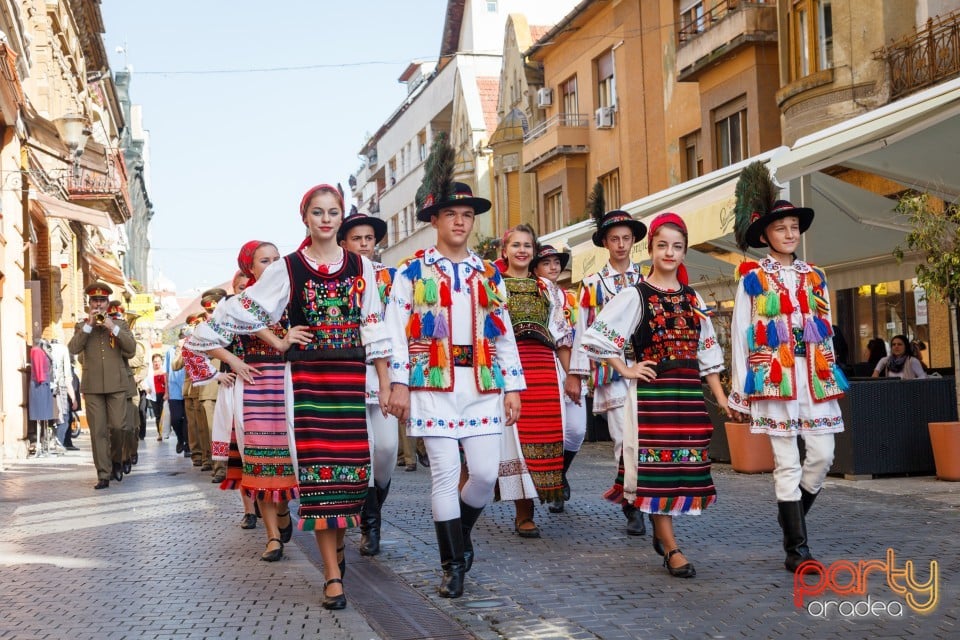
(799, 346)
(462, 355)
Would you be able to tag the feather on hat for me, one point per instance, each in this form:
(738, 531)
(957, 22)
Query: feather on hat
(757, 207)
(439, 189)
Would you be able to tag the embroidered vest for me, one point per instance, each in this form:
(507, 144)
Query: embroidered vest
(529, 310)
(670, 328)
(330, 305)
(256, 350)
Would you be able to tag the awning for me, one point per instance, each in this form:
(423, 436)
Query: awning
(60, 209)
(104, 269)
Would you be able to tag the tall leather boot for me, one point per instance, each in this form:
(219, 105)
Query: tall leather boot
(806, 499)
(370, 524)
(468, 518)
(794, 535)
(557, 505)
(450, 541)
(635, 523)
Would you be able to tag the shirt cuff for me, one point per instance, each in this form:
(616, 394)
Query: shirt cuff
(115, 331)
(87, 328)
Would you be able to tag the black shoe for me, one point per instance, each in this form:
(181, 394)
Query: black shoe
(70, 447)
(220, 477)
(370, 524)
(186, 453)
(179, 447)
(333, 603)
(206, 466)
(656, 541)
(272, 555)
(249, 521)
(127, 467)
(423, 459)
(117, 471)
(794, 527)
(135, 458)
(685, 571)
(286, 532)
(411, 467)
(635, 524)
(102, 484)
(450, 541)
(556, 506)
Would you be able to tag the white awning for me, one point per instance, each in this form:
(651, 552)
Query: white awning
(61, 209)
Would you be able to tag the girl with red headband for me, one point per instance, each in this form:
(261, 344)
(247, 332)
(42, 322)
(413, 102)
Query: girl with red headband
(664, 469)
(335, 316)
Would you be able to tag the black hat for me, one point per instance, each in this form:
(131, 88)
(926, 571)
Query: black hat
(546, 251)
(357, 219)
(756, 207)
(780, 209)
(618, 217)
(438, 190)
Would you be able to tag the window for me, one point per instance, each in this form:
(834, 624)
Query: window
(568, 91)
(491, 6)
(730, 133)
(691, 18)
(422, 145)
(692, 160)
(606, 86)
(554, 210)
(811, 31)
(611, 189)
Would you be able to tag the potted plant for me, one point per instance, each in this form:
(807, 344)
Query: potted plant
(935, 236)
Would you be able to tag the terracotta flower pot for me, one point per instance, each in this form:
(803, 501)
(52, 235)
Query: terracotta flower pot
(749, 452)
(945, 441)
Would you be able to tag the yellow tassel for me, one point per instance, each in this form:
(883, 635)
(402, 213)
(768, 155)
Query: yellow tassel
(419, 292)
(786, 355)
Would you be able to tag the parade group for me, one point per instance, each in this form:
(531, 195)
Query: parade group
(318, 354)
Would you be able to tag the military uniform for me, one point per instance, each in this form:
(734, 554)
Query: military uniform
(104, 383)
(208, 395)
(198, 435)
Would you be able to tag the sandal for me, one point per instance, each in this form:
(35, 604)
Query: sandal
(333, 603)
(272, 555)
(533, 532)
(286, 532)
(683, 571)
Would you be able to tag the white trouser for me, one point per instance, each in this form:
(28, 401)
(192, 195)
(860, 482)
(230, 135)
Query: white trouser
(483, 461)
(789, 475)
(574, 424)
(383, 437)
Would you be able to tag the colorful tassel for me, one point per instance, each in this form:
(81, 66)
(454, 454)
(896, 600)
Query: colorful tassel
(811, 300)
(445, 294)
(841, 378)
(760, 334)
(820, 364)
(486, 380)
(487, 357)
(761, 302)
(815, 277)
(413, 326)
(776, 371)
(493, 326)
(436, 377)
(599, 296)
(483, 297)
(442, 360)
(498, 378)
(786, 355)
(811, 333)
(783, 332)
(434, 355)
(748, 386)
(418, 291)
(440, 329)
(413, 271)
(825, 329)
(746, 267)
(426, 324)
(785, 305)
(785, 391)
(758, 379)
(773, 335)
(818, 391)
(481, 357)
(416, 377)
(773, 304)
(762, 277)
(751, 284)
(751, 343)
(430, 293)
(804, 301)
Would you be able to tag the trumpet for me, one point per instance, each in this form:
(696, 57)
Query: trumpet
(98, 319)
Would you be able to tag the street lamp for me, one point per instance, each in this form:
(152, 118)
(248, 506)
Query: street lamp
(74, 132)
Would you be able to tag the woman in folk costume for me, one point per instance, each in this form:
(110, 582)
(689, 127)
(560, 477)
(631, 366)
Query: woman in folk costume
(785, 379)
(455, 370)
(543, 337)
(549, 264)
(664, 470)
(335, 315)
(360, 234)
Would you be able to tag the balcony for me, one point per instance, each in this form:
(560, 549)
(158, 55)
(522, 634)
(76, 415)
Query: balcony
(106, 192)
(926, 57)
(727, 26)
(563, 134)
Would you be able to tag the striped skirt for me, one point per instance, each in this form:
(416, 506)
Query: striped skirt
(674, 429)
(541, 419)
(330, 430)
(268, 472)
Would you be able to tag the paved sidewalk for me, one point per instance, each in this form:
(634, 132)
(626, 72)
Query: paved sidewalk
(161, 555)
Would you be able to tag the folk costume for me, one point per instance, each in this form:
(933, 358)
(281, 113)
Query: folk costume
(225, 443)
(383, 432)
(785, 375)
(665, 468)
(455, 349)
(324, 379)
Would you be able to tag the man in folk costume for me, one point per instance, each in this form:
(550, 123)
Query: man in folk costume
(617, 232)
(360, 233)
(103, 344)
(785, 376)
(455, 373)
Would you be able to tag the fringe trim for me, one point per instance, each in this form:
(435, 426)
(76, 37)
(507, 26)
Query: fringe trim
(272, 495)
(319, 524)
(683, 505)
(230, 484)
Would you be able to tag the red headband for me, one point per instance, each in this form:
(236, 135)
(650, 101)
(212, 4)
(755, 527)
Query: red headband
(669, 218)
(245, 258)
(305, 202)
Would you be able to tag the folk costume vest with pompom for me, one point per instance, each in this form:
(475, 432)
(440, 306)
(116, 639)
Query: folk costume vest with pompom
(774, 343)
(432, 352)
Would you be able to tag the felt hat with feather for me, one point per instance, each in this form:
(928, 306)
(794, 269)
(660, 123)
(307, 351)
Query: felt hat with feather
(609, 219)
(439, 190)
(757, 207)
(356, 219)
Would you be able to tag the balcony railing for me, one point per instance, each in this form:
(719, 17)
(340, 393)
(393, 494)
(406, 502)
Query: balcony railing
(927, 56)
(560, 120)
(691, 28)
(106, 191)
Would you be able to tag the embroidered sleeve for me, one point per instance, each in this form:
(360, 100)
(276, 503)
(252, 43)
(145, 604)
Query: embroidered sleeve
(198, 366)
(507, 357)
(557, 321)
(742, 311)
(616, 322)
(709, 353)
(373, 330)
(579, 362)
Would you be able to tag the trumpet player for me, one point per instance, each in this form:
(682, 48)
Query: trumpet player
(103, 344)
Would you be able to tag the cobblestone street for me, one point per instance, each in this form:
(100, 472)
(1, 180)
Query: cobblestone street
(161, 555)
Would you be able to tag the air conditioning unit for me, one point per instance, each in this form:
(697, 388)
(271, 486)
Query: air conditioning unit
(604, 118)
(544, 97)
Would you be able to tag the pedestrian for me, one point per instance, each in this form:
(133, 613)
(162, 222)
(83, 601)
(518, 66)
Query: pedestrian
(360, 234)
(455, 372)
(785, 378)
(103, 343)
(902, 362)
(544, 337)
(156, 393)
(617, 232)
(175, 397)
(336, 322)
(876, 351)
(664, 470)
(549, 264)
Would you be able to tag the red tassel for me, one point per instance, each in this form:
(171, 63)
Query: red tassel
(445, 294)
(498, 323)
(486, 351)
(413, 326)
(760, 334)
(804, 302)
(776, 371)
(786, 306)
(482, 295)
(434, 354)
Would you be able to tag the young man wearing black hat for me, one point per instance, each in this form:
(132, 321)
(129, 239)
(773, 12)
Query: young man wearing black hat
(360, 233)
(103, 343)
(617, 232)
(455, 369)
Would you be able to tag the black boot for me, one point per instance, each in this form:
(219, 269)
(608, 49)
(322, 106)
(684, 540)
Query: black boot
(568, 457)
(468, 518)
(635, 524)
(806, 499)
(794, 535)
(370, 524)
(450, 541)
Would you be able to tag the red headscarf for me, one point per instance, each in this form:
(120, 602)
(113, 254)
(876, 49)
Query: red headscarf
(305, 202)
(682, 276)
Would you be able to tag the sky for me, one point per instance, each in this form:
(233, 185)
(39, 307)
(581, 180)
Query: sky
(232, 149)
